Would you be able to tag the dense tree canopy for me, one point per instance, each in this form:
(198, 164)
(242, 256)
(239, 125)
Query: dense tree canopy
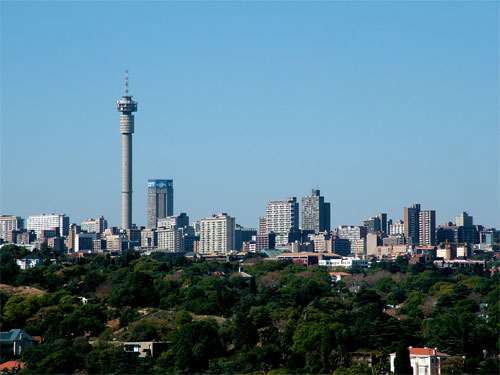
(285, 319)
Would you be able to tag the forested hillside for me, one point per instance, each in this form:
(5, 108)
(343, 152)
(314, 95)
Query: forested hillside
(286, 318)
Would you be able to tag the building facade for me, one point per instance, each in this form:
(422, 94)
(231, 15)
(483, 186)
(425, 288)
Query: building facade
(160, 201)
(353, 234)
(427, 228)
(9, 223)
(464, 220)
(217, 234)
(41, 222)
(282, 217)
(171, 240)
(98, 225)
(315, 213)
(411, 224)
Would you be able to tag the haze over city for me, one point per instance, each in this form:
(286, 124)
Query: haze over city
(379, 104)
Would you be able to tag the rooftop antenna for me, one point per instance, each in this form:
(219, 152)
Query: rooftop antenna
(126, 81)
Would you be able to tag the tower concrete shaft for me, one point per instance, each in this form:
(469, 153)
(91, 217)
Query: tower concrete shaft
(126, 106)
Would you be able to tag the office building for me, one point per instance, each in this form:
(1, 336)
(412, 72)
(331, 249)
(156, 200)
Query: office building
(411, 224)
(243, 235)
(353, 234)
(340, 246)
(160, 201)
(372, 224)
(9, 223)
(464, 220)
(383, 222)
(282, 217)
(84, 242)
(98, 225)
(40, 222)
(315, 213)
(427, 228)
(217, 234)
(126, 106)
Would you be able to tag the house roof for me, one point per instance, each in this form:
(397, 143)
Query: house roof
(32, 256)
(425, 351)
(11, 365)
(340, 274)
(14, 335)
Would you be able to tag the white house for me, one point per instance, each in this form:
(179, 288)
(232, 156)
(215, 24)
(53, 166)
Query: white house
(29, 261)
(425, 361)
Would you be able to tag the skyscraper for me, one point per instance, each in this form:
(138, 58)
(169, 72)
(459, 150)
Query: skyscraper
(160, 201)
(315, 213)
(427, 228)
(411, 224)
(126, 106)
(282, 217)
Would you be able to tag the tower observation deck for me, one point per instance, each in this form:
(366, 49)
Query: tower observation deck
(126, 106)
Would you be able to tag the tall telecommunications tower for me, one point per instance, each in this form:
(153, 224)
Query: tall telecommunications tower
(126, 106)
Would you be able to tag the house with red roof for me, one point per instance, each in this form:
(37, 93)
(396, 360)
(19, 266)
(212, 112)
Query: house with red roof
(425, 361)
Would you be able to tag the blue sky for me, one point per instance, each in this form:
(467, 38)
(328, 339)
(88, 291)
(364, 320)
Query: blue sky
(379, 104)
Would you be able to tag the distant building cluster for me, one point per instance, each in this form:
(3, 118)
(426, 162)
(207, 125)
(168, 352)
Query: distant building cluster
(299, 232)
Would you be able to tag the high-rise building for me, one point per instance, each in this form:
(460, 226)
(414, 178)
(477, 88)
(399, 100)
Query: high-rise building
(9, 223)
(282, 217)
(353, 234)
(464, 220)
(126, 106)
(217, 234)
(383, 222)
(180, 221)
(427, 228)
(372, 224)
(160, 200)
(42, 222)
(98, 225)
(171, 240)
(241, 235)
(397, 228)
(315, 213)
(262, 225)
(411, 222)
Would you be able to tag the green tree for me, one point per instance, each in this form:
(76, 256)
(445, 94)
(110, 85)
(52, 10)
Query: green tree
(402, 364)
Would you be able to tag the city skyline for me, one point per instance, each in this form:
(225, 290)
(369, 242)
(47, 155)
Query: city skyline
(213, 118)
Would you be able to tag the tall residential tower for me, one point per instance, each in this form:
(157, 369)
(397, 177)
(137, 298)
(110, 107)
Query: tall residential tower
(315, 213)
(126, 106)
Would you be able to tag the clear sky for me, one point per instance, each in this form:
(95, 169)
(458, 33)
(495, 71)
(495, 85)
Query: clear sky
(379, 104)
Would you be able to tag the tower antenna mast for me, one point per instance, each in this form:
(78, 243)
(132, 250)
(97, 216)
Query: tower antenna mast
(126, 81)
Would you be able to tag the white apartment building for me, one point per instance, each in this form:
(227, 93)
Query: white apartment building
(281, 218)
(217, 234)
(171, 240)
(346, 262)
(397, 228)
(8, 223)
(47, 222)
(98, 225)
